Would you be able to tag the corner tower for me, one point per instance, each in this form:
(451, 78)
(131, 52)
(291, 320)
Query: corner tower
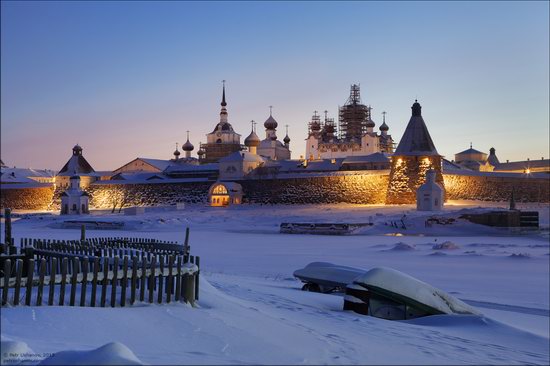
(414, 156)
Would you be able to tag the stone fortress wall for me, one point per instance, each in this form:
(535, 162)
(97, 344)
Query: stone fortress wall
(358, 188)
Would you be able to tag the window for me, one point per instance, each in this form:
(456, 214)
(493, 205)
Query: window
(219, 189)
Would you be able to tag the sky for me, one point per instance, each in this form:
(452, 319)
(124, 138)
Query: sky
(128, 79)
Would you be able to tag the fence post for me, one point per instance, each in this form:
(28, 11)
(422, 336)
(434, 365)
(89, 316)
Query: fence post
(197, 276)
(82, 232)
(105, 280)
(134, 280)
(124, 281)
(170, 279)
(75, 262)
(143, 278)
(7, 272)
(18, 282)
(178, 279)
(30, 274)
(114, 283)
(160, 279)
(41, 275)
(152, 280)
(53, 272)
(64, 266)
(84, 282)
(7, 228)
(94, 282)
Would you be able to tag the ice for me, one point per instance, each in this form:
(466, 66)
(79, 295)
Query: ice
(251, 309)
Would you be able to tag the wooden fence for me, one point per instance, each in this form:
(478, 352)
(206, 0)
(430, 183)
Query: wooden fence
(112, 271)
(121, 281)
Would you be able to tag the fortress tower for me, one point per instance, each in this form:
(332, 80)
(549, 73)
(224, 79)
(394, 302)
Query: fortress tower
(414, 156)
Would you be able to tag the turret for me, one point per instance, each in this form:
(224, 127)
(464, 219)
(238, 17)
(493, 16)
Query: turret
(286, 140)
(176, 153)
(270, 125)
(252, 141)
(384, 127)
(187, 147)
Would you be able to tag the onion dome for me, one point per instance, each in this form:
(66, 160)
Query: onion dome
(177, 152)
(370, 123)
(384, 127)
(252, 140)
(187, 146)
(270, 123)
(286, 140)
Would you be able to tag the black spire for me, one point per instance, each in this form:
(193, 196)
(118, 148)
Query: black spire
(223, 95)
(416, 108)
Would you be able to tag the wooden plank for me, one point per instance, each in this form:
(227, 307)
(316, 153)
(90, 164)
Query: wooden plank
(142, 279)
(41, 275)
(53, 274)
(160, 280)
(85, 268)
(114, 282)
(178, 279)
(30, 274)
(152, 280)
(73, 281)
(64, 265)
(197, 276)
(134, 280)
(105, 281)
(170, 279)
(7, 272)
(18, 282)
(124, 282)
(94, 281)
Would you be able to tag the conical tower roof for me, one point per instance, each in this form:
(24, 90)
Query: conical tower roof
(416, 140)
(76, 164)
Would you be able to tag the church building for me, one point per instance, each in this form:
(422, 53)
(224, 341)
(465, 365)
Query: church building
(221, 142)
(270, 147)
(355, 135)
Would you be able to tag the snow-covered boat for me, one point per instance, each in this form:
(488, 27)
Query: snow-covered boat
(326, 277)
(390, 294)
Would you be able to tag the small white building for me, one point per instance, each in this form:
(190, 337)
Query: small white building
(430, 195)
(239, 164)
(74, 201)
(225, 194)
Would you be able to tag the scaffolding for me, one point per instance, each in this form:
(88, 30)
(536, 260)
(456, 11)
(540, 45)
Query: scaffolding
(353, 116)
(314, 125)
(329, 128)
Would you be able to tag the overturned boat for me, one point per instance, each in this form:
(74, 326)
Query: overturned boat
(326, 277)
(390, 294)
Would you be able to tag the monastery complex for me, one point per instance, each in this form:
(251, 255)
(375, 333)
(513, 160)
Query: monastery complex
(361, 163)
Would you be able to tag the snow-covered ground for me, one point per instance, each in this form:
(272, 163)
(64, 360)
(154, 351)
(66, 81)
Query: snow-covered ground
(253, 311)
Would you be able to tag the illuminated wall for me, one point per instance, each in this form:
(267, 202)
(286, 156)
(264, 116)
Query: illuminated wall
(407, 174)
(26, 198)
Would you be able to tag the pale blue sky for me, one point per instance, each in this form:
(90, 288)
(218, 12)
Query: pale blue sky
(127, 79)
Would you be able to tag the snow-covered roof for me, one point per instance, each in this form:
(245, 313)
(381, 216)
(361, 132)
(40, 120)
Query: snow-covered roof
(450, 166)
(77, 164)
(470, 151)
(174, 168)
(22, 175)
(231, 186)
(242, 156)
(521, 165)
(372, 158)
(157, 163)
(138, 176)
(416, 140)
